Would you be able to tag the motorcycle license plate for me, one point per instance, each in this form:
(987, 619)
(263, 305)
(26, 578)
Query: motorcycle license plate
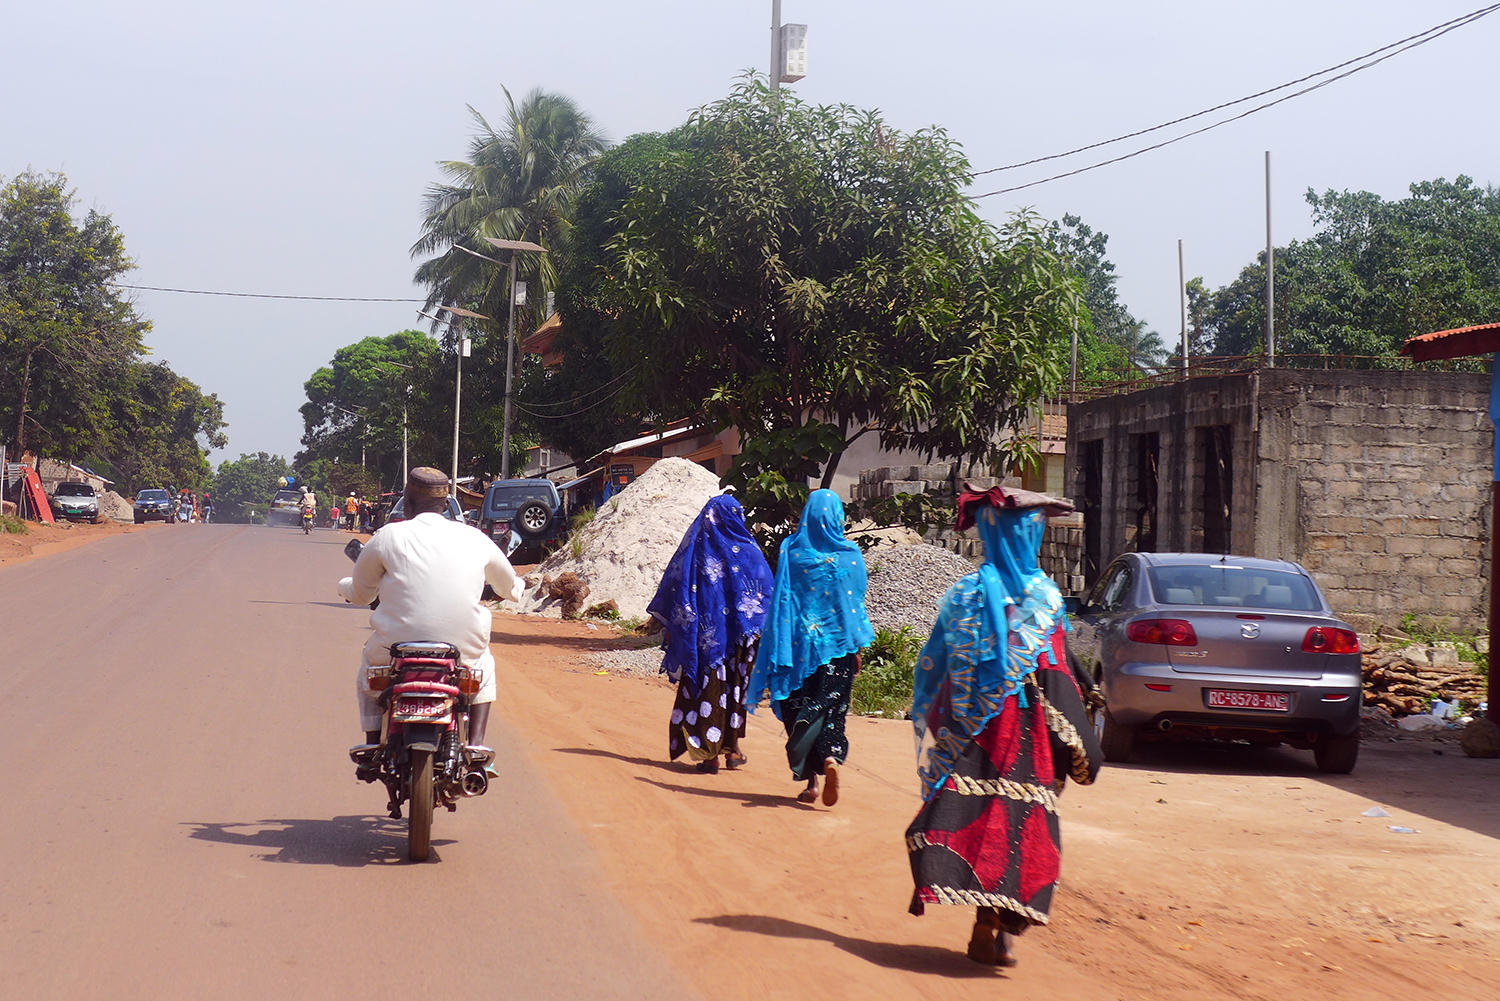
(415, 709)
(1274, 702)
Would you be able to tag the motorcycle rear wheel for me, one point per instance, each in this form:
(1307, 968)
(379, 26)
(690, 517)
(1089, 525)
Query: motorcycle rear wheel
(419, 814)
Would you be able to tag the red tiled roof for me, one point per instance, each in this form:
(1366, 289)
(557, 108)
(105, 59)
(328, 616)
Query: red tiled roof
(1461, 342)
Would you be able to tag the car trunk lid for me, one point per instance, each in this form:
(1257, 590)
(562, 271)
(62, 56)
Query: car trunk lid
(1266, 644)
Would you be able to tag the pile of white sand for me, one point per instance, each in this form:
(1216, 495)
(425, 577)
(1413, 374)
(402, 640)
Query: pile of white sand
(625, 550)
(113, 506)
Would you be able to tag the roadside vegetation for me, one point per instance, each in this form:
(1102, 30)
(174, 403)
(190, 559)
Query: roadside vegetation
(11, 525)
(884, 684)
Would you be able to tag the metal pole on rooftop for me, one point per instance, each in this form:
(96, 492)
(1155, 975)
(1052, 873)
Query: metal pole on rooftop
(775, 44)
(1270, 276)
(510, 349)
(1182, 290)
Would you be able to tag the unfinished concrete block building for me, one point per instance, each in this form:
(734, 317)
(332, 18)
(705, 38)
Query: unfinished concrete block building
(1378, 482)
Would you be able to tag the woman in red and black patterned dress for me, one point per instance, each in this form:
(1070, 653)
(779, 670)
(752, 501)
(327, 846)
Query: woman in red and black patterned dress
(1003, 726)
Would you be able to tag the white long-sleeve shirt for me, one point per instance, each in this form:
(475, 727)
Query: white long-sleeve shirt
(428, 573)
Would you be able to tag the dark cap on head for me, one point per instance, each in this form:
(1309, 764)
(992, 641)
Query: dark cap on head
(424, 481)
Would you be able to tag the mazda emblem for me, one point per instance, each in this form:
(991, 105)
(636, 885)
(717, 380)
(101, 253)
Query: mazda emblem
(1249, 630)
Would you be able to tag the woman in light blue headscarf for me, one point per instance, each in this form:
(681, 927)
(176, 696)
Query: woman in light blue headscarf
(809, 651)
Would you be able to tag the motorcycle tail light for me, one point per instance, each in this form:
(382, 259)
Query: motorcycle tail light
(468, 681)
(379, 678)
(1330, 639)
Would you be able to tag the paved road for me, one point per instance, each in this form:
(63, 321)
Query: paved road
(179, 818)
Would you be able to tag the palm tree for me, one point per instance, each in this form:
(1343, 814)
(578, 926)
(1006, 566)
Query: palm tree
(519, 183)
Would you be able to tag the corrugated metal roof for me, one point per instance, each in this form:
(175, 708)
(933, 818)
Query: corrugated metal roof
(1460, 342)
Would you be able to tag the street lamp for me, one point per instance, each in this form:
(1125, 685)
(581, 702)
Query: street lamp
(514, 246)
(458, 377)
(788, 49)
(405, 403)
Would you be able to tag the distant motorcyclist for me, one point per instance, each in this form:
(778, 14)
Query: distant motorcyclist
(428, 573)
(309, 504)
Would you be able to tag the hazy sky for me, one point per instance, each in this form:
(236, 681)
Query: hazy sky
(284, 147)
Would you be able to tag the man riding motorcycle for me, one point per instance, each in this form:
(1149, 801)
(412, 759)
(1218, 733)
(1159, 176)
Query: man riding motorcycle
(309, 504)
(428, 573)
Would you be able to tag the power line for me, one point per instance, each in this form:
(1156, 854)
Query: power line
(557, 417)
(593, 392)
(259, 295)
(1404, 45)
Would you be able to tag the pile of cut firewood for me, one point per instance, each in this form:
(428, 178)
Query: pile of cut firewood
(1405, 681)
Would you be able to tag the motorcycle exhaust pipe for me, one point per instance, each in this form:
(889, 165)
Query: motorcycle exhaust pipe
(475, 783)
(1164, 725)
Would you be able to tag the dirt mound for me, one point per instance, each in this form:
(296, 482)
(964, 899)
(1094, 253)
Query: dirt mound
(113, 506)
(907, 582)
(624, 551)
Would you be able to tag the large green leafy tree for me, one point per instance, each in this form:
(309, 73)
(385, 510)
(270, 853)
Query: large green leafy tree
(65, 332)
(1375, 273)
(243, 487)
(1117, 342)
(519, 183)
(809, 275)
(73, 382)
(356, 404)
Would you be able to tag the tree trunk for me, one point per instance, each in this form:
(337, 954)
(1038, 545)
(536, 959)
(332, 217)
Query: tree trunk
(833, 460)
(21, 420)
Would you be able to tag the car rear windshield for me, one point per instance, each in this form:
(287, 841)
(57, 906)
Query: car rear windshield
(511, 494)
(1234, 587)
(287, 495)
(74, 490)
(152, 495)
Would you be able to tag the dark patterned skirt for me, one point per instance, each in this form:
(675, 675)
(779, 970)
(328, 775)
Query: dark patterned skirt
(814, 718)
(989, 837)
(712, 722)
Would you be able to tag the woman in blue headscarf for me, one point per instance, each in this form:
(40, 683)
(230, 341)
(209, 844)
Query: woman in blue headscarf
(712, 604)
(809, 653)
(1001, 726)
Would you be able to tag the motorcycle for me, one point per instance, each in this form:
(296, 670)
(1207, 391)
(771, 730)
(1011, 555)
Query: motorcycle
(307, 522)
(424, 757)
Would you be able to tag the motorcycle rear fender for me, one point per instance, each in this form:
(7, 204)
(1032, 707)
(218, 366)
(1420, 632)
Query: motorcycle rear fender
(423, 735)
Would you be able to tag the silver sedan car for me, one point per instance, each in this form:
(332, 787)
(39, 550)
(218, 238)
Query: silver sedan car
(1193, 645)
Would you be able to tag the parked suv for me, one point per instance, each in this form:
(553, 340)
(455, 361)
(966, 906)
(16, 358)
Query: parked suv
(76, 502)
(533, 508)
(153, 504)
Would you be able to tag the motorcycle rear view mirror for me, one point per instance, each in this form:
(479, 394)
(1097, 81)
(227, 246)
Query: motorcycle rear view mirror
(512, 543)
(353, 549)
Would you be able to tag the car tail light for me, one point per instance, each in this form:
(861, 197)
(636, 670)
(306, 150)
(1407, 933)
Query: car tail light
(1159, 688)
(1330, 639)
(1171, 632)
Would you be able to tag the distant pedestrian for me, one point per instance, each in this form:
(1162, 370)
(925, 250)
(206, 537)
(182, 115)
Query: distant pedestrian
(809, 652)
(208, 508)
(351, 509)
(712, 605)
(1002, 725)
(364, 517)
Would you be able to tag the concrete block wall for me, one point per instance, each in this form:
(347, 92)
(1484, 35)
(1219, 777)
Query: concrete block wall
(1379, 484)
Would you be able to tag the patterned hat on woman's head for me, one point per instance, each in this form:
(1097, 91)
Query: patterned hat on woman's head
(972, 499)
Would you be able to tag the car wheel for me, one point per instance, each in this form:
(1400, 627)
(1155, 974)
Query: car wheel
(139, 519)
(532, 520)
(1337, 755)
(1116, 741)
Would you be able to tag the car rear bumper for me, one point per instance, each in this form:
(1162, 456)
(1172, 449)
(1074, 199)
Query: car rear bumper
(1326, 705)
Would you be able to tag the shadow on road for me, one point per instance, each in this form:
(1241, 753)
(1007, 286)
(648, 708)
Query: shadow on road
(583, 643)
(1407, 775)
(747, 798)
(341, 841)
(669, 766)
(891, 955)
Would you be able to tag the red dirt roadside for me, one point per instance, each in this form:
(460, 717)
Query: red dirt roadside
(1200, 872)
(41, 539)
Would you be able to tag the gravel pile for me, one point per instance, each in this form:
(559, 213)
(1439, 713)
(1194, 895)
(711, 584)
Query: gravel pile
(626, 548)
(112, 505)
(907, 582)
(638, 663)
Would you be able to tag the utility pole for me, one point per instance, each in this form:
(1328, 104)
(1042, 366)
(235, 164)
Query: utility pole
(1182, 293)
(775, 45)
(514, 246)
(1270, 276)
(458, 390)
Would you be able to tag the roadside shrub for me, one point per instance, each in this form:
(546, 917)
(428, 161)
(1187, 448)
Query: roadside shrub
(883, 687)
(12, 525)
